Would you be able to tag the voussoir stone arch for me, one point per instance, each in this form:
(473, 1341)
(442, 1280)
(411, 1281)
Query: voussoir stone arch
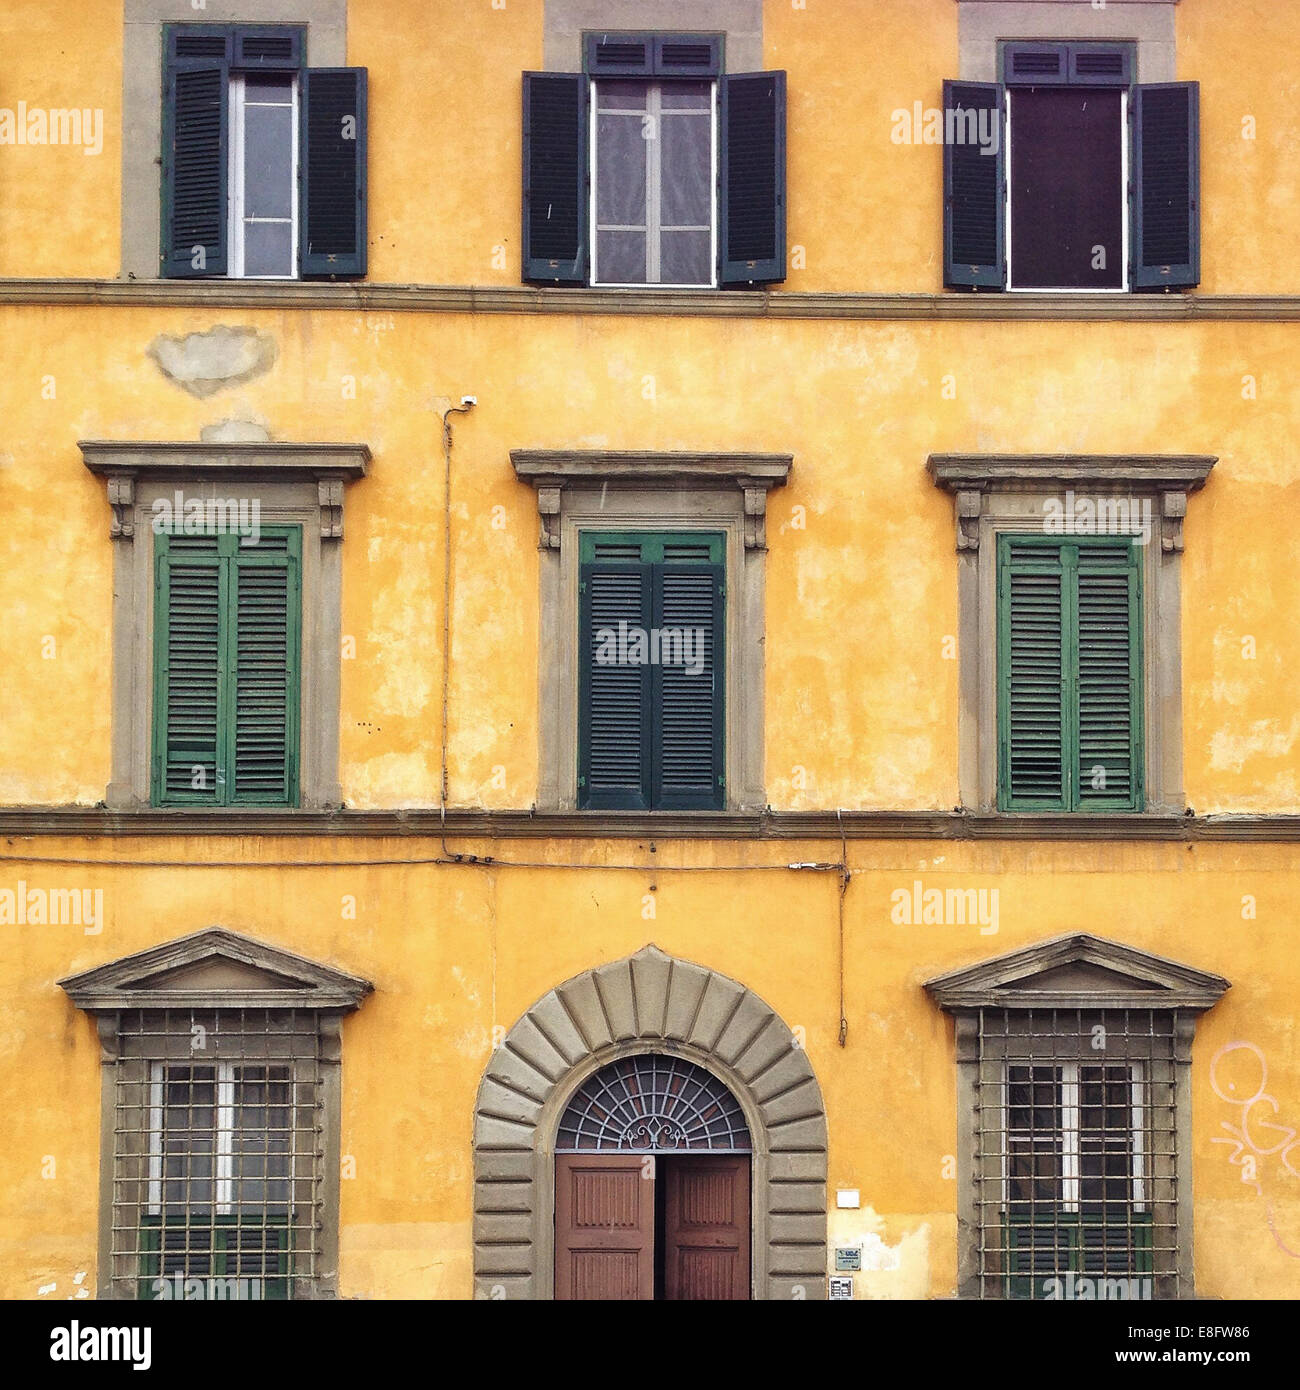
(648, 1002)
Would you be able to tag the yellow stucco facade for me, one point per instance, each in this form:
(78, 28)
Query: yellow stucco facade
(861, 680)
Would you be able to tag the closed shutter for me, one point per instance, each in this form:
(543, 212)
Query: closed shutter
(265, 677)
(614, 696)
(189, 689)
(332, 164)
(1069, 675)
(1109, 768)
(1167, 186)
(604, 1226)
(195, 157)
(706, 1227)
(555, 178)
(752, 183)
(227, 623)
(974, 187)
(651, 679)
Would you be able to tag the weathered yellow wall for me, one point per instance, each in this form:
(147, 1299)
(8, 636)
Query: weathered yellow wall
(455, 951)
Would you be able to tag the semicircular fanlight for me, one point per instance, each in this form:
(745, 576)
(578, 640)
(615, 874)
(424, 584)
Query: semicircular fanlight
(652, 1103)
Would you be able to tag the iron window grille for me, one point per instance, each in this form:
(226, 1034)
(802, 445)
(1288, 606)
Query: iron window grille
(217, 1154)
(1076, 1177)
(653, 1103)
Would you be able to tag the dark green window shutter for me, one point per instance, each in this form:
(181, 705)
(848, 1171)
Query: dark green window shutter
(614, 700)
(264, 679)
(195, 152)
(332, 168)
(1069, 675)
(751, 178)
(555, 178)
(974, 188)
(651, 730)
(189, 596)
(1166, 186)
(227, 641)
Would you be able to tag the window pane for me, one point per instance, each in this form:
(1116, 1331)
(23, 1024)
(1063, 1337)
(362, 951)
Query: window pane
(687, 170)
(188, 1137)
(268, 248)
(268, 160)
(620, 258)
(686, 96)
(620, 171)
(262, 1141)
(622, 96)
(685, 258)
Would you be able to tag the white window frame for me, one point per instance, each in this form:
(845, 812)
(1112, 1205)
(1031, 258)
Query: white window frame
(1071, 1144)
(1125, 207)
(656, 87)
(236, 108)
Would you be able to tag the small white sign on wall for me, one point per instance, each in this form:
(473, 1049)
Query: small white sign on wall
(848, 1197)
(841, 1286)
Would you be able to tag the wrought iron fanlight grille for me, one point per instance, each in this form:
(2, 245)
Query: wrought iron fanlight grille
(653, 1103)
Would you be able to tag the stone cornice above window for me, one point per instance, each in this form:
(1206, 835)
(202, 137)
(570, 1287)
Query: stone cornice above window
(212, 969)
(551, 471)
(1078, 971)
(973, 478)
(245, 464)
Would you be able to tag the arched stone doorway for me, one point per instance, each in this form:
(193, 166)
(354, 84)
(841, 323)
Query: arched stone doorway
(648, 1003)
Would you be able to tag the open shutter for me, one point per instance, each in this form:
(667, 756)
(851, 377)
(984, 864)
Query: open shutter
(1166, 186)
(604, 1227)
(974, 187)
(1109, 635)
(751, 178)
(188, 599)
(263, 733)
(555, 178)
(332, 164)
(614, 692)
(689, 679)
(194, 174)
(1033, 618)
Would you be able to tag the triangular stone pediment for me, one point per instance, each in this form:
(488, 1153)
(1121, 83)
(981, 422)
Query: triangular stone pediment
(1079, 970)
(215, 968)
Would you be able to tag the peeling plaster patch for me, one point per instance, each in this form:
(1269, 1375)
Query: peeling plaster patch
(79, 1278)
(877, 1255)
(205, 363)
(46, 1288)
(235, 432)
(1230, 752)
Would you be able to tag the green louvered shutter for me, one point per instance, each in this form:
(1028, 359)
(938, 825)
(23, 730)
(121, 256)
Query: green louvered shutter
(614, 699)
(689, 598)
(1032, 677)
(263, 749)
(227, 638)
(1069, 675)
(1109, 637)
(188, 687)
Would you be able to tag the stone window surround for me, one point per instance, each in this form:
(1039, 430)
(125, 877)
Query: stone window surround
(294, 484)
(649, 1002)
(325, 22)
(220, 969)
(740, 21)
(996, 493)
(584, 490)
(1106, 975)
(982, 23)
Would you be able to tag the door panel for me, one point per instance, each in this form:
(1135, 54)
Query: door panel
(604, 1226)
(706, 1227)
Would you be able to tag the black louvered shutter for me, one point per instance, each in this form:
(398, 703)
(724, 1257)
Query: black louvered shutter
(1166, 186)
(614, 697)
(332, 166)
(1109, 769)
(688, 772)
(974, 188)
(1033, 615)
(189, 595)
(751, 178)
(264, 677)
(194, 174)
(555, 178)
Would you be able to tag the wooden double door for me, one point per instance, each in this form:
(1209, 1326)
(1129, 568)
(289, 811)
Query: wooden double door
(663, 1226)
